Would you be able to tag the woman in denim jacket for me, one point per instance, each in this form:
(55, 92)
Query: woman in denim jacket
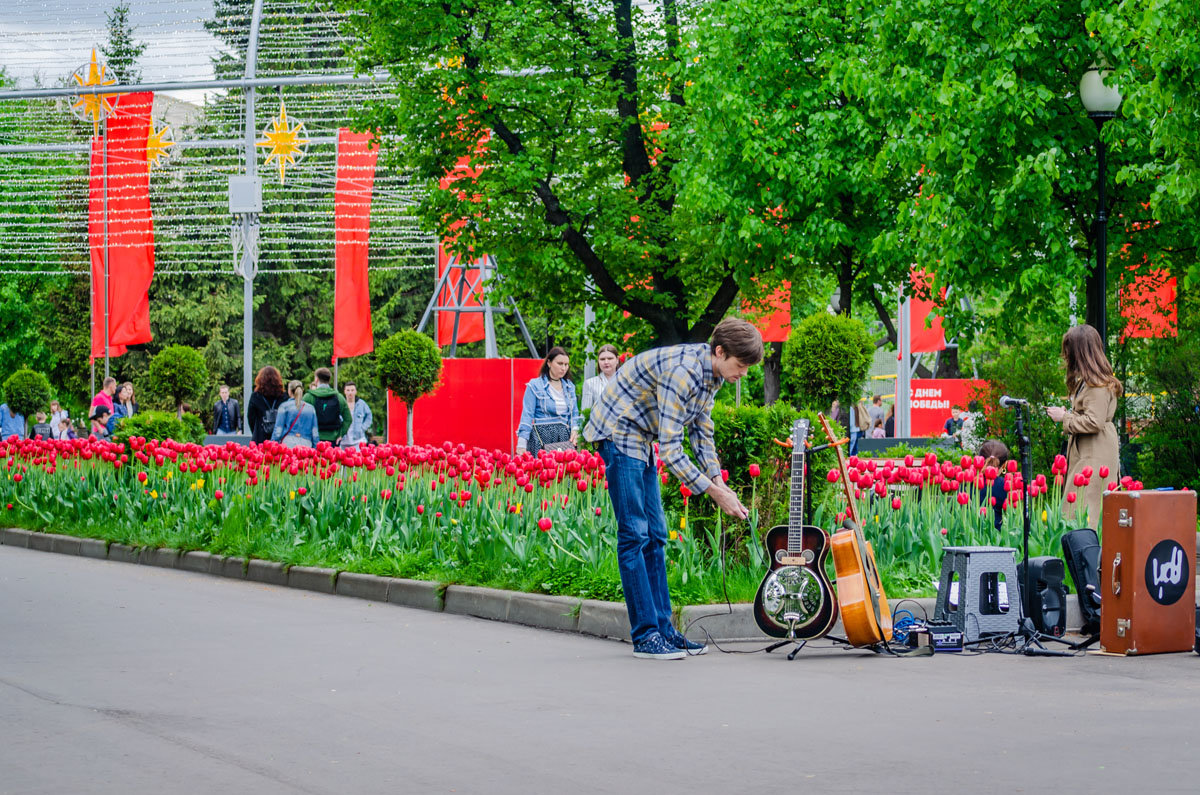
(548, 411)
(296, 420)
(360, 414)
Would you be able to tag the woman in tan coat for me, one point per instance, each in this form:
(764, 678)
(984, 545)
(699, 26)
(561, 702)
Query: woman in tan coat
(1092, 441)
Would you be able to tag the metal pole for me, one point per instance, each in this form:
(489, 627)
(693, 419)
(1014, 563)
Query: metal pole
(490, 348)
(104, 250)
(589, 365)
(1097, 284)
(458, 301)
(903, 425)
(249, 223)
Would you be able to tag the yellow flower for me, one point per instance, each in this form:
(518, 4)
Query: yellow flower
(673, 535)
(1044, 515)
(154, 494)
(453, 521)
(520, 505)
(292, 495)
(682, 522)
(169, 475)
(876, 518)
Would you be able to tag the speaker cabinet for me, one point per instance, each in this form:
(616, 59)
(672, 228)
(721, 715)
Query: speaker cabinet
(1045, 601)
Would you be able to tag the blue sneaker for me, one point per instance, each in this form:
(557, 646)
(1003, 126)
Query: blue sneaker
(689, 647)
(655, 647)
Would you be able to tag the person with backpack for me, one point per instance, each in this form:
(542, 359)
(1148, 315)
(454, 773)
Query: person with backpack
(333, 414)
(265, 400)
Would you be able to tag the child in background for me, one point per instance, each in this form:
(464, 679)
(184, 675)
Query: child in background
(995, 454)
(40, 427)
(878, 431)
(63, 429)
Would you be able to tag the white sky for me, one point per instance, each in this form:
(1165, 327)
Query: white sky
(44, 41)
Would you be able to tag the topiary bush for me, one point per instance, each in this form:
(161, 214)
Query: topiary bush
(160, 425)
(26, 392)
(178, 374)
(409, 364)
(826, 357)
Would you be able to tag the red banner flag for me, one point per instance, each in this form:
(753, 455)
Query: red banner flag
(124, 208)
(1148, 304)
(463, 288)
(356, 156)
(933, 338)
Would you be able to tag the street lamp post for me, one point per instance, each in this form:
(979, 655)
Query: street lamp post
(1101, 102)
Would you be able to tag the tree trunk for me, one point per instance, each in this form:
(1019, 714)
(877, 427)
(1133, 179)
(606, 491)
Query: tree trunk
(772, 371)
(408, 425)
(948, 364)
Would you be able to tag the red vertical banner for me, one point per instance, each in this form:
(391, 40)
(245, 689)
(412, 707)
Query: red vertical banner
(125, 206)
(356, 157)
(774, 319)
(459, 286)
(924, 339)
(1148, 304)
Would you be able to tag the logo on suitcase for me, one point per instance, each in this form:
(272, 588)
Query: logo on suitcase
(1167, 572)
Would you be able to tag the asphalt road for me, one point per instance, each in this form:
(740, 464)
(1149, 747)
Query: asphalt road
(132, 679)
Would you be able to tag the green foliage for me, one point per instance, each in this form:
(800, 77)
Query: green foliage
(827, 357)
(27, 392)
(178, 373)
(409, 364)
(1031, 370)
(160, 425)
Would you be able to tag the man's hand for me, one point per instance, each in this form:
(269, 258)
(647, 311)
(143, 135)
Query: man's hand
(574, 438)
(728, 502)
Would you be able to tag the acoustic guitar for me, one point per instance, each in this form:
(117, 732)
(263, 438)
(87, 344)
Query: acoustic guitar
(795, 599)
(866, 617)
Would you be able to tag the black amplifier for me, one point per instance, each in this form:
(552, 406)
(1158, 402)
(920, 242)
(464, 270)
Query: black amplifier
(944, 636)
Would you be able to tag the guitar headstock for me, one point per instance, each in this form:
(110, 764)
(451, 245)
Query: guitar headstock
(851, 505)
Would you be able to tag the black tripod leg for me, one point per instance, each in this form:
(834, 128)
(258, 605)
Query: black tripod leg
(792, 654)
(1083, 644)
(778, 645)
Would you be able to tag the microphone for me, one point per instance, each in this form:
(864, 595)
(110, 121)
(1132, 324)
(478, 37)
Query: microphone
(1009, 402)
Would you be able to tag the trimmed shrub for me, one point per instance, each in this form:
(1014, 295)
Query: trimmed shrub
(161, 425)
(27, 392)
(409, 364)
(826, 357)
(178, 373)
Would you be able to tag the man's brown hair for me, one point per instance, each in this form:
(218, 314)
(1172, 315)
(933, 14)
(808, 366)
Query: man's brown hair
(738, 339)
(323, 375)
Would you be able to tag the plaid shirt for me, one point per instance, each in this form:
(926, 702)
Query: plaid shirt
(657, 394)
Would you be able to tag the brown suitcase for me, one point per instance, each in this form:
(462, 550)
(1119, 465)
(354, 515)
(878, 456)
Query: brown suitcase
(1147, 574)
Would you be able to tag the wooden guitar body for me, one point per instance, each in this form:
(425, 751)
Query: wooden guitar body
(866, 616)
(796, 597)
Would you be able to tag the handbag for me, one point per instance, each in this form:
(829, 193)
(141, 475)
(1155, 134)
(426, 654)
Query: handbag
(566, 444)
(294, 441)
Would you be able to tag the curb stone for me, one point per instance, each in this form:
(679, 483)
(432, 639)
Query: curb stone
(604, 619)
(123, 553)
(362, 586)
(470, 600)
(311, 578)
(15, 537)
(543, 610)
(199, 562)
(65, 545)
(233, 568)
(93, 548)
(43, 542)
(421, 594)
(164, 557)
(266, 571)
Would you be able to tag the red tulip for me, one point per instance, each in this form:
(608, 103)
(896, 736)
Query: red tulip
(544, 524)
(302, 491)
(1112, 486)
(219, 494)
(141, 476)
(832, 476)
(962, 498)
(597, 510)
(945, 532)
(908, 460)
(1070, 496)
(1103, 472)
(725, 475)
(1011, 466)
(437, 514)
(1080, 480)
(420, 509)
(1137, 485)
(895, 503)
(684, 491)
(755, 471)
(18, 477)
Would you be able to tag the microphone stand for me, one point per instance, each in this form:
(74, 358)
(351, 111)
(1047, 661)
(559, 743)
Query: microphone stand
(1033, 638)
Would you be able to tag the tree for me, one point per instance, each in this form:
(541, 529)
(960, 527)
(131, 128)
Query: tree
(409, 364)
(121, 52)
(26, 392)
(179, 374)
(573, 115)
(827, 357)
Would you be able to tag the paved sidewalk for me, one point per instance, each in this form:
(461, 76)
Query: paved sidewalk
(131, 679)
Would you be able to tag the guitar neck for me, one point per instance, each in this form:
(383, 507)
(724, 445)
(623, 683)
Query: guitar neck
(796, 492)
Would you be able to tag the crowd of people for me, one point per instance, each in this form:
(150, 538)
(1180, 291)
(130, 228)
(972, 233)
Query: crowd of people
(296, 417)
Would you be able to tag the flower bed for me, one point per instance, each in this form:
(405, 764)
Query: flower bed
(475, 517)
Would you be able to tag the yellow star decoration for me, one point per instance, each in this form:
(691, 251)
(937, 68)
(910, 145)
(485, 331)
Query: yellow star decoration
(284, 139)
(93, 107)
(157, 144)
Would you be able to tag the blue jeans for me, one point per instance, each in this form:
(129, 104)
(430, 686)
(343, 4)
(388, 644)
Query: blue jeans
(854, 435)
(633, 486)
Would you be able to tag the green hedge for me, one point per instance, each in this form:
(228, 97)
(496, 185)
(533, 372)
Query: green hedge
(160, 425)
